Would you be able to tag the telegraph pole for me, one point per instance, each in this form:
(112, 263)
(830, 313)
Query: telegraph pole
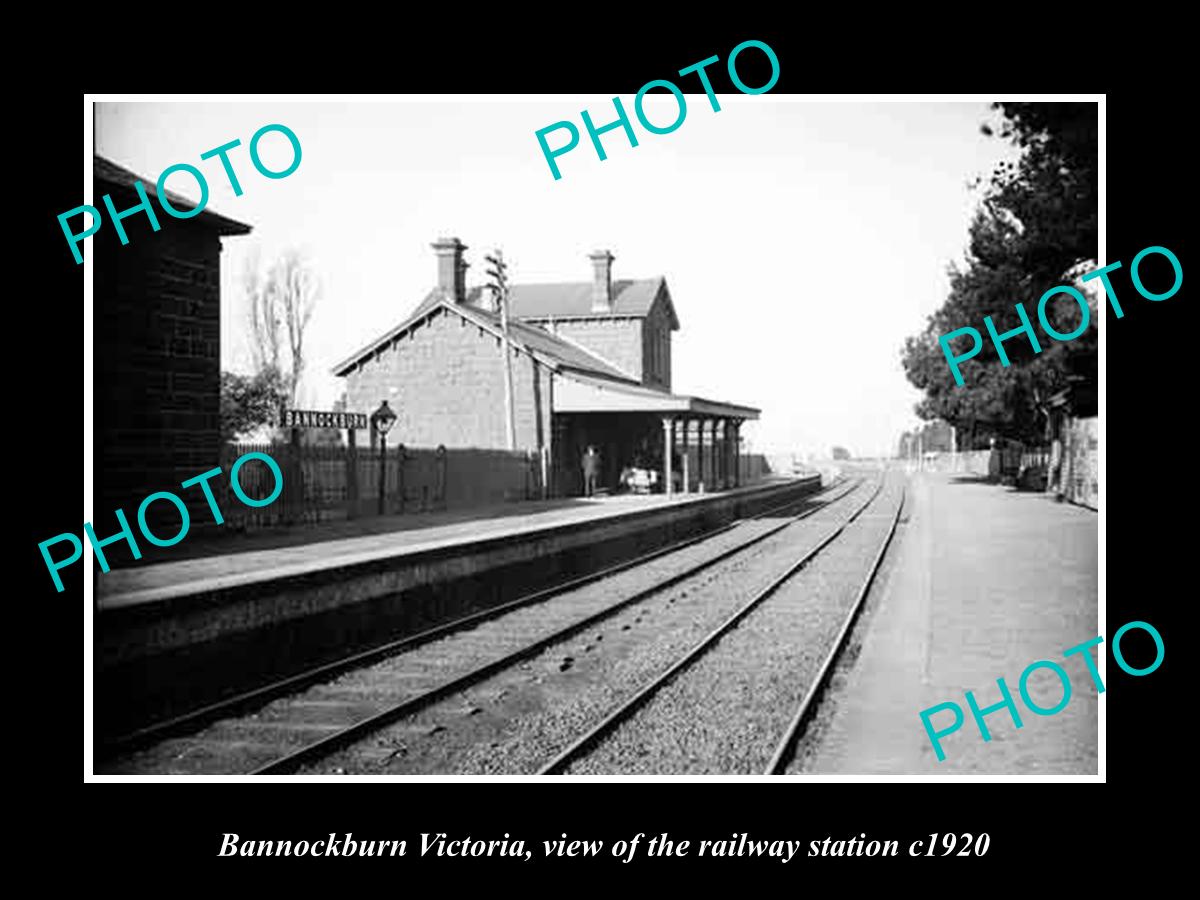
(500, 289)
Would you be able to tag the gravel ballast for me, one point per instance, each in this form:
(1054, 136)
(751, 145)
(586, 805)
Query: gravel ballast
(727, 712)
(242, 743)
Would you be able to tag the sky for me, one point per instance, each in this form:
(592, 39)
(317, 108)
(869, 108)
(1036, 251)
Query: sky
(801, 241)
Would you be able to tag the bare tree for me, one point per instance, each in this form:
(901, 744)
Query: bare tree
(279, 308)
(298, 290)
(262, 315)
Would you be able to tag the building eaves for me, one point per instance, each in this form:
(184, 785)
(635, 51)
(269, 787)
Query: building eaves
(107, 171)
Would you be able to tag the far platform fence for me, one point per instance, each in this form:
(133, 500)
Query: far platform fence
(1071, 470)
(326, 483)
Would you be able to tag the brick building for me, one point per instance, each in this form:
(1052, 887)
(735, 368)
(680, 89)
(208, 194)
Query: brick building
(157, 363)
(591, 364)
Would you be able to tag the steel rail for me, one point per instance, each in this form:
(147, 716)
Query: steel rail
(357, 730)
(795, 729)
(246, 700)
(581, 746)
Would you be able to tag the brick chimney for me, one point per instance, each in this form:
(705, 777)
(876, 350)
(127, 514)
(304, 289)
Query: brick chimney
(601, 280)
(452, 268)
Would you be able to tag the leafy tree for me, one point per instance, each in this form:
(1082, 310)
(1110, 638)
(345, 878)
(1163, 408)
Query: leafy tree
(1036, 223)
(249, 402)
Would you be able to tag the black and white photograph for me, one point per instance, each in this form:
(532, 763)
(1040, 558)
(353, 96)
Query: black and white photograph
(450, 435)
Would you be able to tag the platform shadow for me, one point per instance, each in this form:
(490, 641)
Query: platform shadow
(971, 479)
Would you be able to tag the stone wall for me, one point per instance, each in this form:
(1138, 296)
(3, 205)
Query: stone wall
(445, 381)
(617, 340)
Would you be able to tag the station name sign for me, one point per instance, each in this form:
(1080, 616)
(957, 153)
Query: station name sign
(307, 418)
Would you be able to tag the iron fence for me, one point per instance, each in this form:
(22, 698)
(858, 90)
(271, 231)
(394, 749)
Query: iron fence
(328, 483)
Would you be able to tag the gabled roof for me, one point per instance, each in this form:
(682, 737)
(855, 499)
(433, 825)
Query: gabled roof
(545, 347)
(109, 172)
(573, 299)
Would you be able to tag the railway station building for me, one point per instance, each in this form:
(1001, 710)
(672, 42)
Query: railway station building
(591, 366)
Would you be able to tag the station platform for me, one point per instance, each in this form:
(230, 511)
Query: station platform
(986, 581)
(170, 636)
(273, 554)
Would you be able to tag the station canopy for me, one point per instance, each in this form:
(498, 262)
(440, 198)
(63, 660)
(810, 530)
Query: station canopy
(576, 393)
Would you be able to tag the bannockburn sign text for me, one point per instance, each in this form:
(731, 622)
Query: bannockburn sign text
(307, 418)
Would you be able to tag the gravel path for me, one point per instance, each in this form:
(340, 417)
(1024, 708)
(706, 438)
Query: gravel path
(243, 743)
(726, 713)
(516, 721)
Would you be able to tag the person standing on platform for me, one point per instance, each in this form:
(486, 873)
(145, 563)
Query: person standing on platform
(591, 470)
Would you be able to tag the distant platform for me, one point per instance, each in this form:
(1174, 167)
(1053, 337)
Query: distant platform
(987, 580)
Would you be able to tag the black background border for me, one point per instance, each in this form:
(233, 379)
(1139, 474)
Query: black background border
(178, 828)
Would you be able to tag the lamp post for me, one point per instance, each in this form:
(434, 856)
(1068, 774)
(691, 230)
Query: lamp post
(383, 419)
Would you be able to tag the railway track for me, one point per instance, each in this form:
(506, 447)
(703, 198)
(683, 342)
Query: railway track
(200, 751)
(680, 713)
